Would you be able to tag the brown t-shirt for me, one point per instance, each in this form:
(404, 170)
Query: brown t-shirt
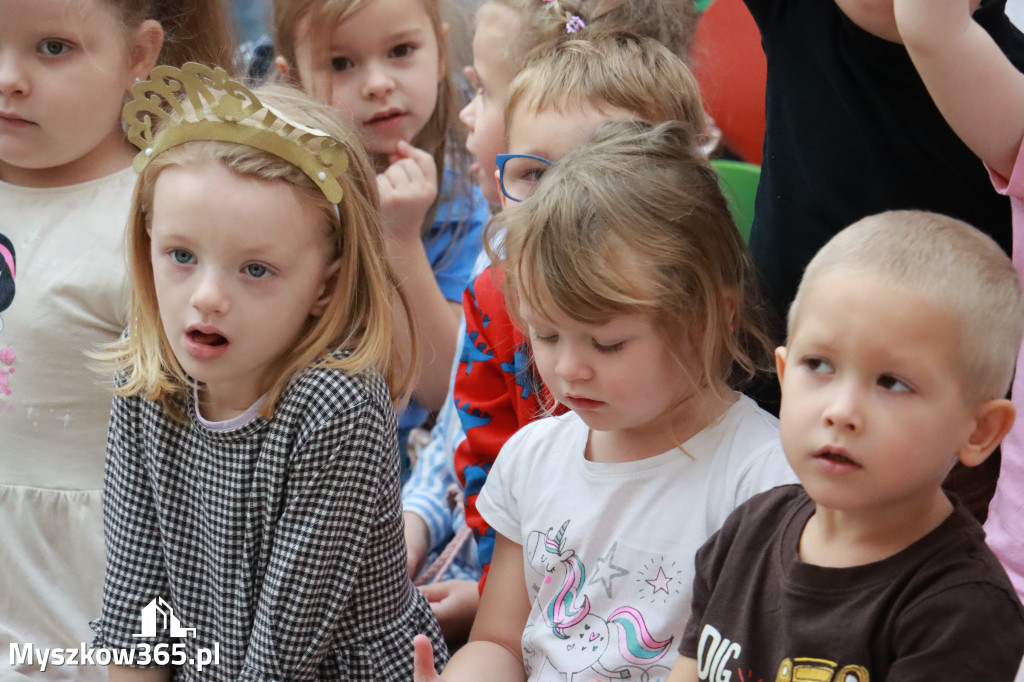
(942, 609)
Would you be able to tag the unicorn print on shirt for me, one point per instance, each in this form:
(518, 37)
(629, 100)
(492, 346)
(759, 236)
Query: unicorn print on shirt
(617, 646)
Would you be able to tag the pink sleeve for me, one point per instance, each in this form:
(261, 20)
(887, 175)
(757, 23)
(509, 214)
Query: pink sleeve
(1005, 525)
(1014, 186)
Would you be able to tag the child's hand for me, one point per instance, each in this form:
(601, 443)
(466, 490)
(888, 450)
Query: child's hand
(417, 542)
(423, 661)
(454, 603)
(407, 189)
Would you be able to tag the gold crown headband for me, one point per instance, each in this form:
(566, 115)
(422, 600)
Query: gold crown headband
(210, 106)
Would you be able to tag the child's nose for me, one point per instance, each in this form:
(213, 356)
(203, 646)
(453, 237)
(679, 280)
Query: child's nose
(468, 113)
(571, 366)
(379, 81)
(13, 77)
(210, 295)
(844, 410)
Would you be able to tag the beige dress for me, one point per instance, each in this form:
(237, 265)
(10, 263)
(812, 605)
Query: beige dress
(70, 295)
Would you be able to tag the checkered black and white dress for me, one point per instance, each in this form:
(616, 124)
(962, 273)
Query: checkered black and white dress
(280, 541)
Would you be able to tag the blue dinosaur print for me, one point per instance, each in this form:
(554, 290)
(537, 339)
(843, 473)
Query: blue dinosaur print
(471, 417)
(474, 352)
(521, 368)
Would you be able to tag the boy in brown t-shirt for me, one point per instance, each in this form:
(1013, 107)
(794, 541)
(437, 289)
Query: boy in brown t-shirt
(901, 345)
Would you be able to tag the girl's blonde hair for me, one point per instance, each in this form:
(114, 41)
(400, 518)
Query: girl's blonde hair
(634, 222)
(359, 316)
(544, 24)
(194, 30)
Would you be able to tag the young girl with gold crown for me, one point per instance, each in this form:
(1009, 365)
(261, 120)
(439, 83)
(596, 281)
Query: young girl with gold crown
(65, 186)
(252, 481)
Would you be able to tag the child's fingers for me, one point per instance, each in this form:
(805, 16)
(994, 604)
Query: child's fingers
(423, 660)
(435, 592)
(406, 171)
(424, 161)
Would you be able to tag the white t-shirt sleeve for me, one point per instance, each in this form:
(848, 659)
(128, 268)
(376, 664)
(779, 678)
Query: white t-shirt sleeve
(766, 470)
(499, 500)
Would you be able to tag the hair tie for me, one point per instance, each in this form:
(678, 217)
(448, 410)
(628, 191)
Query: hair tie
(574, 24)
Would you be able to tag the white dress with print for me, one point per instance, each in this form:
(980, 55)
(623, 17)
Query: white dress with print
(69, 295)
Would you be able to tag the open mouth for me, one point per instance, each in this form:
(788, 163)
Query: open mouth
(836, 458)
(385, 116)
(205, 339)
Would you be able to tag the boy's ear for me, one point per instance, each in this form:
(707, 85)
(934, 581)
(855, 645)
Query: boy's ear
(327, 289)
(780, 362)
(147, 42)
(497, 186)
(992, 421)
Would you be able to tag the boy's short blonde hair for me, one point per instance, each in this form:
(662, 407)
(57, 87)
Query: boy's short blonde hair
(950, 262)
(609, 71)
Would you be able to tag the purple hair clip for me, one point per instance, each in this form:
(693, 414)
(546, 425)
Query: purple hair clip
(574, 24)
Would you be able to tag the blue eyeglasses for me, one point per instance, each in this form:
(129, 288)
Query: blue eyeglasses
(518, 174)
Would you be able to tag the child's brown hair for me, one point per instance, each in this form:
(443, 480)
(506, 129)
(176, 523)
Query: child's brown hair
(194, 30)
(638, 198)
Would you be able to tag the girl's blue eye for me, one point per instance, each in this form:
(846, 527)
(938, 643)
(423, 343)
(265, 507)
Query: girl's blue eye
(403, 50)
(341, 64)
(53, 47)
(181, 256)
(257, 270)
(891, 383)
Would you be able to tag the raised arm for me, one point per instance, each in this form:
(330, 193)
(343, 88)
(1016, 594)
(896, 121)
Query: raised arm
(407, 188)
(978, 90)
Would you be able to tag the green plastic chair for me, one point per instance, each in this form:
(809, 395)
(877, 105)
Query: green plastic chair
(738, 180)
